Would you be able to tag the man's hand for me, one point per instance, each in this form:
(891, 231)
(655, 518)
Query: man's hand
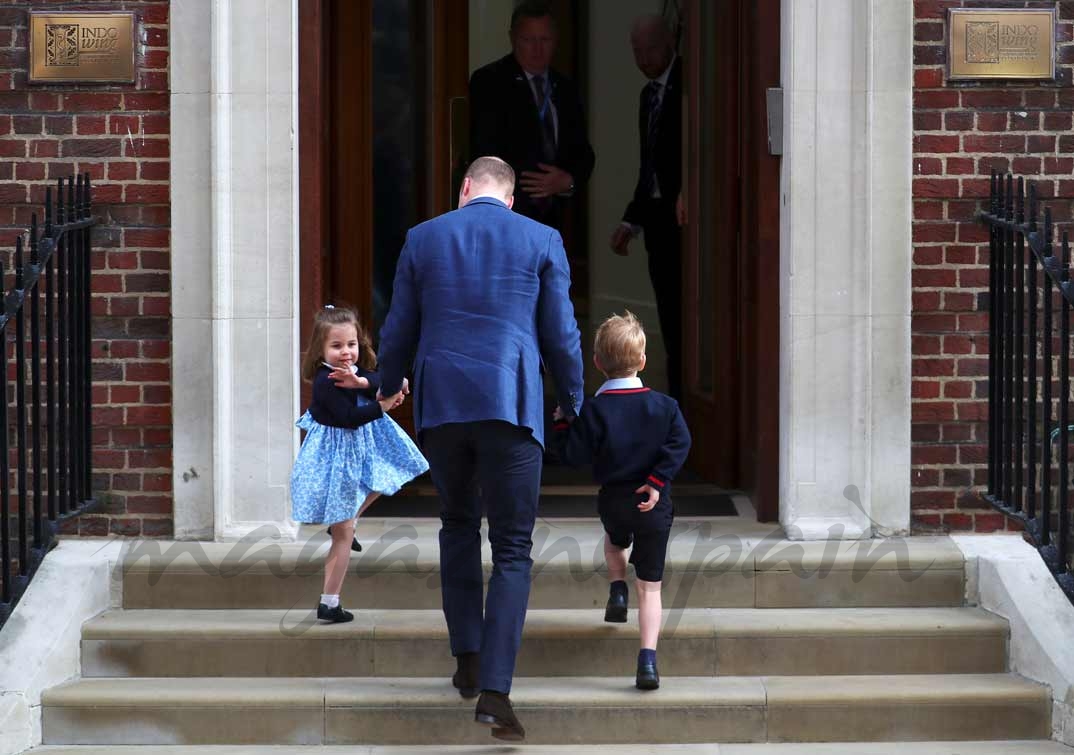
(621, 238)
(546, 182)
(654, 497)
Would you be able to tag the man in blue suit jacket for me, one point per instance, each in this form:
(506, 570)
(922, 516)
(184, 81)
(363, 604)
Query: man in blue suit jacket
(481, 299)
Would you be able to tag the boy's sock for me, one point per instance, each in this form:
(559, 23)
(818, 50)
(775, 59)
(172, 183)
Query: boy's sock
(331, 601)
(646, 655)
(619, 586)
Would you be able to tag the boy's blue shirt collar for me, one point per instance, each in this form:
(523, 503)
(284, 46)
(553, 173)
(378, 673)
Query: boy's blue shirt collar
(618, 384)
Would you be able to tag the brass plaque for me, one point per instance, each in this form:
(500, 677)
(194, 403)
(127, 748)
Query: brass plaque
(1000, 44)
(81, 47)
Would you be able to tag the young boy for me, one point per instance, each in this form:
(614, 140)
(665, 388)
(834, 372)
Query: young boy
(637, 441)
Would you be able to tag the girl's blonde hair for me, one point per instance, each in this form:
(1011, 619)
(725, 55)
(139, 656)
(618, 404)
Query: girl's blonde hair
(325, 319)
(620, 345)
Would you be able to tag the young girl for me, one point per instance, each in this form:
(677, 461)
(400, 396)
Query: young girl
(353, 451)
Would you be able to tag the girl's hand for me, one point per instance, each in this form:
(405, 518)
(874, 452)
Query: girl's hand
(387, 404)
(344, 378)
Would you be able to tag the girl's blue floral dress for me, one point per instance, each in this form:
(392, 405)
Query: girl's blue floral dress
(351, 450)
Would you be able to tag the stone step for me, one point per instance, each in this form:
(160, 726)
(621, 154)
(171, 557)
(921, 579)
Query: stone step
(561, 642)
(566, 710)
(399, 568)
(1008, 747)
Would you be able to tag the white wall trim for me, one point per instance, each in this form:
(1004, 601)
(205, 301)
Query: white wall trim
(845, 268)
(222, 258)
(193, 440)
(235, 265)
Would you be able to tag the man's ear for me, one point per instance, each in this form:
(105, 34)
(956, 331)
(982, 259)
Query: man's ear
(511, 201)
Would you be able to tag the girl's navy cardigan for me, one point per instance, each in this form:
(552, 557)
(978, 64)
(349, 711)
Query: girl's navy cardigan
(338, 407)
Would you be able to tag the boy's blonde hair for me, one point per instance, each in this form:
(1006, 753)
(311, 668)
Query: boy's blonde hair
(620, 345)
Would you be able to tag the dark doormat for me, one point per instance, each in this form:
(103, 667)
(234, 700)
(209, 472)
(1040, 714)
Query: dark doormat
(420, 500)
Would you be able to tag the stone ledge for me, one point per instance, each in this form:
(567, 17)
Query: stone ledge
(39, 644)
(578, 709)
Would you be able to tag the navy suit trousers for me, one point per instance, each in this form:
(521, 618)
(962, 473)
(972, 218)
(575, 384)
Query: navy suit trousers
(496, 466)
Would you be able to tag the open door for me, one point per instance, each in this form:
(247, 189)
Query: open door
(731, 254)
(383, 131)
(383, 140)
(711, 253)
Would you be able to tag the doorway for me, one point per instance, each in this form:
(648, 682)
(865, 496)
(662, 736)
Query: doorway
(383, 135)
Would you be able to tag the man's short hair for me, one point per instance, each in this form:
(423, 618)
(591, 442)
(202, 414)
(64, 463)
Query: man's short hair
(490, 169)
(531, 9)
(620, 345)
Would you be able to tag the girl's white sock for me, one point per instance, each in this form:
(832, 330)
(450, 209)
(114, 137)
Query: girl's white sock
(330, 601)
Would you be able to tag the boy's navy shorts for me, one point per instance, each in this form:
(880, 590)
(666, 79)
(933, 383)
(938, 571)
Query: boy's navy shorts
(647, 530)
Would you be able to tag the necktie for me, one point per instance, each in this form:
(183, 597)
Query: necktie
(652, 108)
(544, 113)
(652, 113)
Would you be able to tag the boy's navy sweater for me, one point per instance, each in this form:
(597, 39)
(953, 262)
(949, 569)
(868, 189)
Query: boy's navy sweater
(338, 407)
(631, 435)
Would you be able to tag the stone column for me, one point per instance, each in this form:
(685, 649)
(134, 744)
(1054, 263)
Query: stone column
(845, 268)
(234, 264)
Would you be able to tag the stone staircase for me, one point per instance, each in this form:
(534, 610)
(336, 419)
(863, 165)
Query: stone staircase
(766, 641)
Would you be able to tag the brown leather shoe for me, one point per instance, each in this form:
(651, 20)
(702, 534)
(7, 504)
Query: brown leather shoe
(494, 710)
(466, 675)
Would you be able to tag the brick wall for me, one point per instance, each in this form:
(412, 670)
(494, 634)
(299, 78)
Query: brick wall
(119, 135)
(961, 132)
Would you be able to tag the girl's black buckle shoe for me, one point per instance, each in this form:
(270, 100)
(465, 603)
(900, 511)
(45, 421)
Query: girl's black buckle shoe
(335, 615)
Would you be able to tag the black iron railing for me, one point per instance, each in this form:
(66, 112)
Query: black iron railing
(1029, 430)
(45, 417)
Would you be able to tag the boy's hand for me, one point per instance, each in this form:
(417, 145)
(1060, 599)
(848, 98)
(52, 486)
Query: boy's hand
(654, 497)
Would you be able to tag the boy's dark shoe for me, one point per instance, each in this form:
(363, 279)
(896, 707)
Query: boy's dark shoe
(355, 545)
(616, 610)
(465, 678)
(648, 677)
(334, 615)
(494, 710)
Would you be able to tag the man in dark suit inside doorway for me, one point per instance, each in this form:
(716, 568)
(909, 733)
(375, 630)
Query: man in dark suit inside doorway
(652, 211)
(531, 116)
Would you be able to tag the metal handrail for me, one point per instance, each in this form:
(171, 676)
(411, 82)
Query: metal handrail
(53, 431)
(1023, 263)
